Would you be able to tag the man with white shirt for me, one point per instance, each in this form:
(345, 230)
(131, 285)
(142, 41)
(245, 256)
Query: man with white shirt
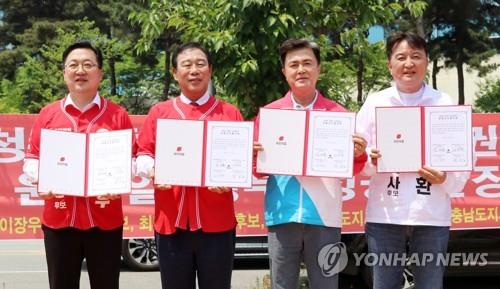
(304, 214)
(77, 228)
(403, 209)
(194, 226)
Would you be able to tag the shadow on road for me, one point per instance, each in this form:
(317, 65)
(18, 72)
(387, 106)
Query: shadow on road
(251, 264)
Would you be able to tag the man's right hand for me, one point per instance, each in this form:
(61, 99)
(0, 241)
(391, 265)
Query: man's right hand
(375, 155)
(158, 187)
(257, 147)
(46, 195)
(163, 187)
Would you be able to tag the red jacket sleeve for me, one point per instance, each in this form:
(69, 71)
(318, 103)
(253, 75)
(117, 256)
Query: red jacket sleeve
(359, 163)
(147, 134)
(33, 149)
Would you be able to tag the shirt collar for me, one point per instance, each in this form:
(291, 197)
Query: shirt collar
(412, 98)
(201, 101)
(96, 100)
(299, 106)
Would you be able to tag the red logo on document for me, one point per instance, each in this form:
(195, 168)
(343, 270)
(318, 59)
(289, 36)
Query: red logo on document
(281, 140)
(399, 138)
(62, 161)
(178, 151)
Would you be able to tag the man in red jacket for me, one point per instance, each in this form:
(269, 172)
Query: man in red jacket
(195, 226)
(80, 227)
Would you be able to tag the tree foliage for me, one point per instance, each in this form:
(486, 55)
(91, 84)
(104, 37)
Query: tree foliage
(138, 36)
(39, 79)
(244, 37)
(34, 34)
(459, 31)
(488, 97)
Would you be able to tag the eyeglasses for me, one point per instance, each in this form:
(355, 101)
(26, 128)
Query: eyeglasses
(86, 66)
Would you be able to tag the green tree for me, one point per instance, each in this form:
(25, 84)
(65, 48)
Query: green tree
(109, 17)
(11, 102)
(39, 79)
(342, 77)
(356, 19)
(488, 97)
(140, 86)
(459, 31)
(28, 25)
(245, 35)
(20, 32)
(155, 36)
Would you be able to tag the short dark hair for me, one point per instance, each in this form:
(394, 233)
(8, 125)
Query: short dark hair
(189, 45)
(414, 40)
(294, 44)
(85, 45)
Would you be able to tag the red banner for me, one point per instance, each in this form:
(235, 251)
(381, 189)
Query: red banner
(20, 207)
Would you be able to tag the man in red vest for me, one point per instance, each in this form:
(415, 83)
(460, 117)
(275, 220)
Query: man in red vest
(80, 227)
(194, 226)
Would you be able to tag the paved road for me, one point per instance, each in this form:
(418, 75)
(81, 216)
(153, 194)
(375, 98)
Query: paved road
(22, 266)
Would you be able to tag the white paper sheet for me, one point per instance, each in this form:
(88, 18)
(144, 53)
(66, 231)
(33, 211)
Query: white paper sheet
(282, 134)
(330, 146)
(179, 152)
(448, 133)
(110, 163)
(62, 162)
(398, 132)
(229, 154)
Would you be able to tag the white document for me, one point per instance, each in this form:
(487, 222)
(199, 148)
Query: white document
(179, 152)
(448, 135)
(110, 164)
(398, 133)
(330, 146)
(67, 167)
(282, 134)
(62, 162)
(229, 154)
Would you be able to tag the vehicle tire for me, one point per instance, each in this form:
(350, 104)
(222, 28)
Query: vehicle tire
(140, 254)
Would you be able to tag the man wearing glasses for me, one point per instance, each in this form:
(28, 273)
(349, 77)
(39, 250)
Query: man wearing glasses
(77, 228)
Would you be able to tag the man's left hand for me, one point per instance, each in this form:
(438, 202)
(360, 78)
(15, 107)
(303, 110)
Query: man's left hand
(359, 145)
(433, 176)
(219, 190)
(110, 197)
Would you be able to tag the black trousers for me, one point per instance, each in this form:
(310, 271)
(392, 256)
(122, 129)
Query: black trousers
(66, 248)
(186, 255)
